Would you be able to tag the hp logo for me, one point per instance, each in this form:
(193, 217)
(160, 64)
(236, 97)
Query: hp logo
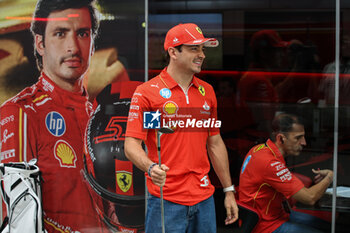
(55, 124)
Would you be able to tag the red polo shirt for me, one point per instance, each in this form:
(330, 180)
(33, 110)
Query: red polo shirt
(184, 151)
(265, 182)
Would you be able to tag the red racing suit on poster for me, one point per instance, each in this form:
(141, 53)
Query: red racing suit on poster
(48, 123)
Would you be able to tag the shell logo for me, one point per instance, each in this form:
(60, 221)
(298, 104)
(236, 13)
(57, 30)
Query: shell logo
(170, 108)
(65, 154)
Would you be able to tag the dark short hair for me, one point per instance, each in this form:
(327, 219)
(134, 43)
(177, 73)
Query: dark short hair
(45, 7)
(179, 47)
(283, 123)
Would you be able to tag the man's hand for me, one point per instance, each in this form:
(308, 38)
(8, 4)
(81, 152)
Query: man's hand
(158, 174)
(105, 69)
(231, 208)
(321, 174)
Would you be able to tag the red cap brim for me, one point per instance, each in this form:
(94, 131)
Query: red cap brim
(208, 42)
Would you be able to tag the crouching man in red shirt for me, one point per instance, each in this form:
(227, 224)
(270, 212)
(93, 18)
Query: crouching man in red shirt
(266, 183)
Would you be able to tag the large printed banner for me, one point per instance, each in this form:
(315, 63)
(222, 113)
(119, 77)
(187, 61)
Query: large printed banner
(119, 48)
(118, 60)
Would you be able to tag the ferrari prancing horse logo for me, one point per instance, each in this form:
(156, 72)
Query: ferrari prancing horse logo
(201, 90)
(124, 180)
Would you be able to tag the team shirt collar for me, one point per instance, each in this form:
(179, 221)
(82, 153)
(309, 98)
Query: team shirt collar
(274, 149)
(171, 83)
(60, 94)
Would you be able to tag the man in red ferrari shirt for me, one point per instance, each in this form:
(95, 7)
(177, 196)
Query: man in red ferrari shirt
(178, 95)
(47, 120)
(266, 183)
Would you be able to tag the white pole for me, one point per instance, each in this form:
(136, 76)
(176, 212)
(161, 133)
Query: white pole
(336, 111)
(146, 40)
(146, 79)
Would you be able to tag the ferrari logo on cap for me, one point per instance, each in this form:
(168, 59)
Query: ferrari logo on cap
(201, 90)
(199, 30)
(124, 180)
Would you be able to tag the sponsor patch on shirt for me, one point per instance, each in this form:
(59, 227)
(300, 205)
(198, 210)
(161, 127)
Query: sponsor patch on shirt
(65, 154)
(7, 120)
(134, 100)
(170, 108)
(281, 171)
(246, 161)
(286, 177)
(155, 85)
(205, 181)
(48, 86)
(165, 93)
(201, 90)
(134, 107)
(7, 154)
(55, 124)
(6, 135)
(206, 106)
(134, 115)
